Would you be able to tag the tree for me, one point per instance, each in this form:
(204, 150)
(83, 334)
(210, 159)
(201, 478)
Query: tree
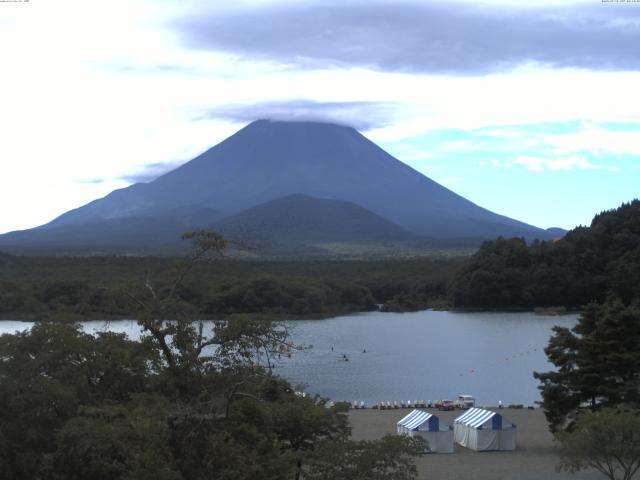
(48, 373)
(390, 458)
(160, 313)
(607, 440)
(304, 422)
(245, 341)
(588, 264)
(180, 403)
(115, 442)
(597, 361)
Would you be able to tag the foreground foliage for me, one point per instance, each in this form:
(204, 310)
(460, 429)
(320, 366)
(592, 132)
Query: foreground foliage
(75, 406)
(182, 403)
(388, 459)
(607, 440)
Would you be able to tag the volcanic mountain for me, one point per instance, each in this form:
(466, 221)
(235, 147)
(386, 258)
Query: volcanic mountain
(268, 160)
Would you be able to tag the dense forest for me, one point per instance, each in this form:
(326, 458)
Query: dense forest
(76, 288)
(589, 264)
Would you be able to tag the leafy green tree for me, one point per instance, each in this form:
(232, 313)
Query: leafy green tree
(597, 363)
(115, 442)
(47, 373)
(607, 440)
(390, 458)
(301, 423)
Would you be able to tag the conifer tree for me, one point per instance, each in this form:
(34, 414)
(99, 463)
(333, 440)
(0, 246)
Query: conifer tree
(597, 362)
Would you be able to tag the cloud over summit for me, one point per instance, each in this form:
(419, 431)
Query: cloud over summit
(360, 115)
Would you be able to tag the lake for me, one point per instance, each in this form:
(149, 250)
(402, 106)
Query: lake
(425, 355)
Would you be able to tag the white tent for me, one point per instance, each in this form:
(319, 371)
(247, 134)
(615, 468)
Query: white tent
(427, 426)
(482, 430)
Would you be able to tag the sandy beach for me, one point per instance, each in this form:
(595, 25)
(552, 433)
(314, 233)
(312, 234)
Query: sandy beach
(535, 456)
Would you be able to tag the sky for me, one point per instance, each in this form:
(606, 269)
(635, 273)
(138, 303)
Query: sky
(530, 111)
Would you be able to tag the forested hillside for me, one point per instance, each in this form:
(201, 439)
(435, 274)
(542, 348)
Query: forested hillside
(588, 264)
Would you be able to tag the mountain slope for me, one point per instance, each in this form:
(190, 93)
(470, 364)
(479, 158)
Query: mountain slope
(300, 219)
(268, 160)
(126, 234)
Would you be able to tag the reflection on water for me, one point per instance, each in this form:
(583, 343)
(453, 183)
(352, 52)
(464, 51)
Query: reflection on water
(411, 356)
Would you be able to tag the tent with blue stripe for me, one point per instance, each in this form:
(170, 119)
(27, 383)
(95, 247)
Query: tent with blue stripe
(438, 435)
(482, 430)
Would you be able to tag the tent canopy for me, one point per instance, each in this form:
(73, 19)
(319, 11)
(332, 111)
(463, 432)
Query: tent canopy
(479, 419)
(482, 430)
(420, 420)
(439, 437)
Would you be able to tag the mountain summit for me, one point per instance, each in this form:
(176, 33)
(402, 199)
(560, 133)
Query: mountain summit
(267, 160)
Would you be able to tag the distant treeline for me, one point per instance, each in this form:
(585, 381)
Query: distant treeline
(588, 264)
(76, 288)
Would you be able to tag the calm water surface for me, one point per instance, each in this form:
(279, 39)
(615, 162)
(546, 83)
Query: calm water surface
(407, 356)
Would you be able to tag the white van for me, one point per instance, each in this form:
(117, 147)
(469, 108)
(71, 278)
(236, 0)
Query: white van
(465, 401)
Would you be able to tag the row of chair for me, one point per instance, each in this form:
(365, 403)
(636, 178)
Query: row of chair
(395, 405)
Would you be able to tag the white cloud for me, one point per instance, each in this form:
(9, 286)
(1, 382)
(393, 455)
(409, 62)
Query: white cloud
(528, 97)
(539, 164)
(592, 140)
(597, 141)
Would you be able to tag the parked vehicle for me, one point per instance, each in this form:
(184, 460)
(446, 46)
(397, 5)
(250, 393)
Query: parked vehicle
(445, 405)
(465, 401)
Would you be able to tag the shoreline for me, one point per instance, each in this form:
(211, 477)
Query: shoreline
(547, 312)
